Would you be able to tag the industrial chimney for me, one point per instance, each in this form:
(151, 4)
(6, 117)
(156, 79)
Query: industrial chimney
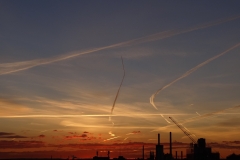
(170, 143)
(159, 150)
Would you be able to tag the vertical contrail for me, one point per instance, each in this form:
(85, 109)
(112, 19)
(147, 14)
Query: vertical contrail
(7, 68)
(118, 90)
(190, 71)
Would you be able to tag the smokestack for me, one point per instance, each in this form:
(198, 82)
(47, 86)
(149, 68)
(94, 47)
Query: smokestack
(158, 139)
(170, 143)
(143, 152)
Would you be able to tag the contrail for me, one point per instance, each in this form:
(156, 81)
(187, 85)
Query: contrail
(198, 114)
(83, 115)
(125, 138)
(165, 118)
(208, 114)
(111, 138)
(7, 68)
(202, 116)
(118, 90)
(96, 115)
(110, 132)
(190, 72)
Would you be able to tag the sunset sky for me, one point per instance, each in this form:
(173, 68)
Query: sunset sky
(61, 68)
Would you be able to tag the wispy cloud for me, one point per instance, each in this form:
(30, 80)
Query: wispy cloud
(231, 122)
(9, 106)
(134, 132)
(77, 124)
(7, 68)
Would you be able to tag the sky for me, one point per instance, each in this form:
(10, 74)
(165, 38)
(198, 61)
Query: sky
(78, 77)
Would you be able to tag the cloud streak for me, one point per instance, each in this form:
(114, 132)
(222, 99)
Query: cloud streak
(111, 138)
(83, 115)
(8, 68)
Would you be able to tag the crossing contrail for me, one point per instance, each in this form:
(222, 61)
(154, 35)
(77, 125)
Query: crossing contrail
(201, 116)
(208, 114)
(190, 72)
(8, 68)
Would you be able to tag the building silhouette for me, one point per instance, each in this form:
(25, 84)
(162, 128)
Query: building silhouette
(119, 158)
(159, 150)
(201, 152)
(198, 151)
(151, 156)
(101, 158)
(233, 157)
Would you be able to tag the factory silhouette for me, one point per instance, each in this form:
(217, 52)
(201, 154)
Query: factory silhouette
(196, 151)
